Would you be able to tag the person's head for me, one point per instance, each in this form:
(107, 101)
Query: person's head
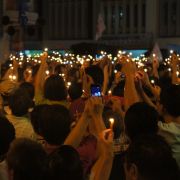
(75, 91)
(55, 88)
(65, 164)
(20, 102)
(73, 75)
(29, 88)
(26, 160)
(7, 135)
(170, 100)
(150, 158)
(55, 124)
(60, 69)
(36, 119)
(96, 74)
(141, 118)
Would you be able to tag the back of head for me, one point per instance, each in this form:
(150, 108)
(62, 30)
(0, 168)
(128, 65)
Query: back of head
(55, 88)
(7, 135)
(170, 99)
(75, 91)
(20, 102)
(152, 157)
(65, 164)
(36, 119)
(29, 88)
(141, 118)
(27, 160)
(96, 74)
(55, 124)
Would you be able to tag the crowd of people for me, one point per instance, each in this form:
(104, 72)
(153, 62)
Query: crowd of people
(52, 126)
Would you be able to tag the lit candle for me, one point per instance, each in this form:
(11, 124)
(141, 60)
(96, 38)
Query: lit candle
(177, 73)
(169, 69)
(152, 81)
(109, 92)
(111, 120)
(29, 71)
(47, 72)
(45, 49)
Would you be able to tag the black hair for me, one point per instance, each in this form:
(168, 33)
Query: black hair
(170, 99)
(153, 158)
(55, 88)
(141, 118)
(75, 91)
(20, 102)
(55, 125)
(27, 159)
(7, 135)
(96, 74)
(65, 164)
(29, 88)
(36, 119)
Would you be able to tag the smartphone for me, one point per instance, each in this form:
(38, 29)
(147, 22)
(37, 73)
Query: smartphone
(95, 90)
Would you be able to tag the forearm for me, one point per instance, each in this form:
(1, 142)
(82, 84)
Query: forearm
(105, 85)
(40, 78)
(102, 168)
(130, 93)
(99, 125)
(76, 135)
(175, 79)
(155, 73)
(147, 100)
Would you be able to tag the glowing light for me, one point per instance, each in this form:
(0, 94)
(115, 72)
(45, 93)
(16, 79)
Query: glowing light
(171, 51)
(152, 81)
(45, 49)
(111, 120)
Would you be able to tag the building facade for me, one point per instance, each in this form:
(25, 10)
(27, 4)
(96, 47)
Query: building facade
(130, 24)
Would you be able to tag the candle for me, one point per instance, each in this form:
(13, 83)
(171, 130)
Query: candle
(45, 49)
(152, 81)
(47, 72)
(171, 51)
(109, 92)
(111, 120)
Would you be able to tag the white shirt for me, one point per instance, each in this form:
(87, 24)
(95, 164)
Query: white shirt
(22, 125)
(171, 132)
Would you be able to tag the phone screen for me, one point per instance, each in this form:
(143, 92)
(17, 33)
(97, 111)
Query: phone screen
(95, 90)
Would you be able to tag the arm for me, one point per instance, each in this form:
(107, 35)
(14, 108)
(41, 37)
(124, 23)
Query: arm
(40, 77)
(77, 133)
(102, 167)
(130, 93)
(106, 79)
(174, 63)
(146, 98)
(155, 66)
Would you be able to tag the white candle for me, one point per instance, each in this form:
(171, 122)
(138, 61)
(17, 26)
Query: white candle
(111, 120)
